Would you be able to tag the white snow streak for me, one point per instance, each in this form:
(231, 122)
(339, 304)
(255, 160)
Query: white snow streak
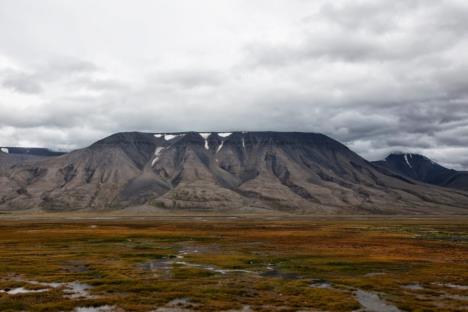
(157, 152)
(220, 146)
(158, 135)
(224, 134)
(5, 150)
(406, 159)
(243, 143)
(205, 136)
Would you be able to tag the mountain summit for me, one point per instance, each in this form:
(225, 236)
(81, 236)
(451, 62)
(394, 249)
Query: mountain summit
(423, 169)
(218, 171)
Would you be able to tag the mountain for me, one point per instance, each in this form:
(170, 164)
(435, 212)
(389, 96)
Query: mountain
(19, 155)
(421, 168)
(30, 151)
(240, 171)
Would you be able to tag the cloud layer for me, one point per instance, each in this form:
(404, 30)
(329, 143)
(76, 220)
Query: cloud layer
(380, 76)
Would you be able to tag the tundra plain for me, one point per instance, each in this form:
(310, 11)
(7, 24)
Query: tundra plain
(234, 264)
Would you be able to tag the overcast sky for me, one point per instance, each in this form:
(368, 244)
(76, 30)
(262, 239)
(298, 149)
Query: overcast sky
(379, 76)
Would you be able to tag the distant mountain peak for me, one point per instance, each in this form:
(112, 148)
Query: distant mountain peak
(424, 169)
(409, 158)
(30, 151)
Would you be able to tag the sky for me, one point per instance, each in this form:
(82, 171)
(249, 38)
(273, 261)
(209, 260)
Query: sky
(379, 76)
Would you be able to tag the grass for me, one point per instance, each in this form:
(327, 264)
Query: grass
(373, 255)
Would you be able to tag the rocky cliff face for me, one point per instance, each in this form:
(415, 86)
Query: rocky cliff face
(294, 172)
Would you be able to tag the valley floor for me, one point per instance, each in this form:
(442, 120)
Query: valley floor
(233, 263)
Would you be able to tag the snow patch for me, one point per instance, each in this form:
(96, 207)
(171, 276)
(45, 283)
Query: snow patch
(168, 137)
(205, 136)
(407, 162)
(157, 152)
(5, 150)
(224, 134)
(243, 143)
(220, 146)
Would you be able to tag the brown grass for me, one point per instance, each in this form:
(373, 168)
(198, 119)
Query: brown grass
(109, 255)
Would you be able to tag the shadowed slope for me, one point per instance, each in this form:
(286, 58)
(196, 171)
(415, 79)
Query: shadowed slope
(421, 168)
(293, 172)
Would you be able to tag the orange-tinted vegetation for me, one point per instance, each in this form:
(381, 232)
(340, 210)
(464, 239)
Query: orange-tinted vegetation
(214, 265)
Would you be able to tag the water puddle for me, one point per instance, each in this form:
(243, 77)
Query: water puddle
(245, 308)
(22, 290)
(75, 266)
(371, 302)
(189, 250)
(156, 265)
(76, 290)
(372, 274)
(278, 274)
(104, 308)
(178, 305)
(72, 290)
(185, 305)
(456, 297)
(164, 266)
(211, 268)
(320, 284)
(414, 286)
(454, 286)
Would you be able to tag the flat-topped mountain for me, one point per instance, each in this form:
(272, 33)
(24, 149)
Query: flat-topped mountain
(423, 169)
(30, 151)
(219, 171)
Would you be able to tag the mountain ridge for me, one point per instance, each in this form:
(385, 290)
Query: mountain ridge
(296, 172)
(423, 169)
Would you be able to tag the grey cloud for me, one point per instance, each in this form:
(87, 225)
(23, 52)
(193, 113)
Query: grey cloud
(380, 76)
(371, 31)
(33, 81)
(98, 84)
(64, 68)
(70, 65)
(21, 82)
(191, 78)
